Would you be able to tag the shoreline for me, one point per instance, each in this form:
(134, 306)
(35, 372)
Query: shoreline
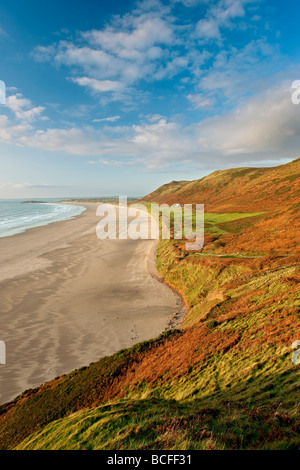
(46, 223)
(176, 320)
(69, 299)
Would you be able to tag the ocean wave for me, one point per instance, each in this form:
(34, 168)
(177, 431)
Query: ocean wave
(16, 217)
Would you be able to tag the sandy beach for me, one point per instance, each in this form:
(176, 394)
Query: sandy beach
(68, 298)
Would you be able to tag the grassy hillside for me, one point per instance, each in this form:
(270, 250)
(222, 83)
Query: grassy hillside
(224, 381)
(236, 190)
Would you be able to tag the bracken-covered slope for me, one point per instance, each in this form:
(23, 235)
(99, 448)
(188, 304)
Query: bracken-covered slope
(226, 380)
(241, 189)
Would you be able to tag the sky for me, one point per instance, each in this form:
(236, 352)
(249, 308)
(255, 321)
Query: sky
(118, 98)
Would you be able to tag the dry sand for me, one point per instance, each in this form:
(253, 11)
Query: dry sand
(68, 298)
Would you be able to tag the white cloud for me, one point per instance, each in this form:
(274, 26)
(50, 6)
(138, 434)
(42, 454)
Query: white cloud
(256, 18)
(43, 54)
(265, 127)
(22, 108)
(154, 117)
(265, 123)
(137, 46)
(3, 33)
(142, 34)
(199, 101)
(100, 86)
(9, 132)
(113, 162)
(208, 29)
(227, 10)
(150, 135)
(127, 50)
(191, 3)
(73, 141)
(220, 15)
(109, 119)
(234, 73)
(150, 44)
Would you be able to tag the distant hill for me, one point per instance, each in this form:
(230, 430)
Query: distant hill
(98, 200)
(239, 189)
(33, 202)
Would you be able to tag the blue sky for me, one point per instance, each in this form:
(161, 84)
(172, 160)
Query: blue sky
(108, 98)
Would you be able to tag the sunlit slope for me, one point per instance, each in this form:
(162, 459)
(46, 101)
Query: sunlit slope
(225, 380)
(236, 190)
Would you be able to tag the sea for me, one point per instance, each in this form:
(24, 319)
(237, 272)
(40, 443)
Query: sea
(17, 216)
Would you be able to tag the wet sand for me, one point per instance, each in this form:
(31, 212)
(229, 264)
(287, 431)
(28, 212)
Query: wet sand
(68, 298)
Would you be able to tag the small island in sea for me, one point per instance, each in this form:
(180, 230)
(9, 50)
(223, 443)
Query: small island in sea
(33, 202)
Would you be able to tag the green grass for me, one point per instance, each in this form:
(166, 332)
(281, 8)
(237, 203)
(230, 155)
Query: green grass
(143, 424)
(225, 381)
(233, 256)
(242, 397)
(82, 388)
(233, 403)
(210, 219)
(222, 218)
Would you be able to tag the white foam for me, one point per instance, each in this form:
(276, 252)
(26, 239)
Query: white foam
(16, 217)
